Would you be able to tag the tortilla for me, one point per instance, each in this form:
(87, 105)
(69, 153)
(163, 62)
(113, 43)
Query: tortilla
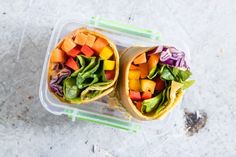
(103, 89)
(176, 93)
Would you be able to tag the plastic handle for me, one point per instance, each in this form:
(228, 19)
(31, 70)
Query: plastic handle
(103, 119)
(128, 29)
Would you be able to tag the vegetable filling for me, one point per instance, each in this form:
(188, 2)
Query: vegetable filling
(88, 64)
(152, 76)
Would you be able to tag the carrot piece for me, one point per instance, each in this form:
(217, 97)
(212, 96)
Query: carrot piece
(81, 39)
(133, 67)
(110, 74)
(144, 70)
(134, 95)
(140, 59)
(146, 95)
(153, 61)
(99, 44)
(72, 64)
(68, 44)
(90, 40)
(160, 84)
(87, 51)
(74, 52)
(58, 56)
(139, 105)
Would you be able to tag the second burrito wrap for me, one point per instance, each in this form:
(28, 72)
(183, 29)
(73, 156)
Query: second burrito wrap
(152, 80)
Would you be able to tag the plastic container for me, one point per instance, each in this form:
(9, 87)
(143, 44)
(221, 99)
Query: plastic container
(103, 111)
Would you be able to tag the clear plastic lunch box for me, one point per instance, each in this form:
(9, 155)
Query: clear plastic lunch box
(103, 111)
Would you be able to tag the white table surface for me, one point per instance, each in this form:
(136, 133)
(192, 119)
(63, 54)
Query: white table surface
(27, 129)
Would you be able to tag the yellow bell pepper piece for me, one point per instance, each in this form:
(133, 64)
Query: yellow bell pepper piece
(109, 65)
(148, 85)
(106, 53)
(134, 74)
(134, 85)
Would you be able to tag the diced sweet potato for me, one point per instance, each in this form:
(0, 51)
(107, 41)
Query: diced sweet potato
(140, 59)
(144, 70)
(81, 39)
(99, 44)
(68, 44)
(58, 56)
(90, 40)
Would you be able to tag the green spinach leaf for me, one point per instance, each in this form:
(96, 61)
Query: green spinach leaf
(151, 104)
(188, 84)
(153, 73)
(166, 74)
(69, 88)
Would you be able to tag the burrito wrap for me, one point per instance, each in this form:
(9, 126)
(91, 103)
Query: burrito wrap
(105, 89)
(126, 59)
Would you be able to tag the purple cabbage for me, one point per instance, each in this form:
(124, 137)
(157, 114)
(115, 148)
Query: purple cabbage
(173, 57)
(55, 83)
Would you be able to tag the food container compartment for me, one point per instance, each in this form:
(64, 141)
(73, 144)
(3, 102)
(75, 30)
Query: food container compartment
(104, 111)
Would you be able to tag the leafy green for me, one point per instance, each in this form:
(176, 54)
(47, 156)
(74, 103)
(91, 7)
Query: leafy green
(153, 73)
(187, 84)
(184, 75)
(87, 78)
(88, 81)
(174, 74)
(166, 74)
(69, 88)
(82, 63)
(92, 63)
(151, 104)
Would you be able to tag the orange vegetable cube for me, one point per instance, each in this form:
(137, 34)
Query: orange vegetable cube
(134, 74)
(133, 67)
(99, 44)
(68, 44)
(144, 70)
(106, 53)
(90, 40)
(153, 61)
(140, 59)
(81, 39)
(58, 56)
(134, 85)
